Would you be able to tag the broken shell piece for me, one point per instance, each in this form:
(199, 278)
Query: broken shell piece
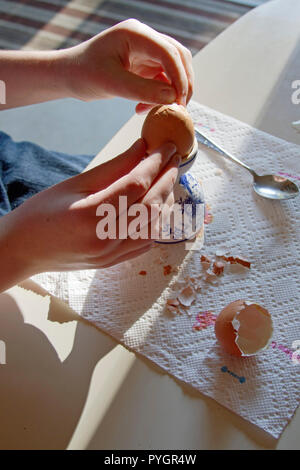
(210, 276)
(244, 328)
(187, 296)
(173, 302)
(218, 268)
(172, 309)
(172, 305)
(205, 266)
(237, 260)
(193, 282)
(243, 262)
(178, 284)
(204, 259)
(197, 284)
(208, 217)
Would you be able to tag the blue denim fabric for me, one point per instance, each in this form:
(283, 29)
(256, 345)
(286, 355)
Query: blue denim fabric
(27, 168)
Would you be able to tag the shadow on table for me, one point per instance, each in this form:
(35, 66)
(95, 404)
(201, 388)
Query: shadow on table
(42, 398)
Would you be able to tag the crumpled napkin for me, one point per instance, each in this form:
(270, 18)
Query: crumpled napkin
(263, 389)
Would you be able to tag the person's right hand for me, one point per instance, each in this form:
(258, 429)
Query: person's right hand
(55, 230)
(133, 61)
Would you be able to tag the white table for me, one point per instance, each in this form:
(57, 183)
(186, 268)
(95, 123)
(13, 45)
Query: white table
(102, 396)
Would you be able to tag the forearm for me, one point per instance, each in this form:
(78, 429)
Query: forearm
(34, 76)
(15, 263)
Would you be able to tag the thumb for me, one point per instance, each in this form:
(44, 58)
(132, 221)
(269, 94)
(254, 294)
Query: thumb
(146, 90)
(104, 175)
(142, 108)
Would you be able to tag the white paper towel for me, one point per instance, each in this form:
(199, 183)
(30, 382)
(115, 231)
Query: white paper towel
(131, 307)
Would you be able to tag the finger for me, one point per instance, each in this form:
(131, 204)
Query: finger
(143, 107)
(103, 175)
(160, 197)
(144, 228)
(162, 77)
(174, 68)
(164, 52)
(186, 58)
(163, 185)
(149, 44)
(148, 71)
(137, 230)
(138, 182)
(135, 87)
(170, 199)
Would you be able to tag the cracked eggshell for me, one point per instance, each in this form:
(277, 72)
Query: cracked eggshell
(187, 296)
(171, 123)
(244, 328)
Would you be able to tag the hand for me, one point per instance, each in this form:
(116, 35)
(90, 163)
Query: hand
(133, 61)
(55, 230)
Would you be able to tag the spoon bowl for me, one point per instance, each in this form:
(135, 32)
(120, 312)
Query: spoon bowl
(274, 187)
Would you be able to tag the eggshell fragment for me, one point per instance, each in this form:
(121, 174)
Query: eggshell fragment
(173, 302)
(187, 296)
(244, 328)
(205, 259)
(172, 305)
(169, 123)
(172, 309)
(218, 268)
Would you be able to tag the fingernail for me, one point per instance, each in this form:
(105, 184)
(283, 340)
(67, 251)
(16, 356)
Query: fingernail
(169, 148)
(177, 159)
(167, 95)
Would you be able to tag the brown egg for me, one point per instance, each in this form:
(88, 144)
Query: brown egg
(244, 328)
(169, 123)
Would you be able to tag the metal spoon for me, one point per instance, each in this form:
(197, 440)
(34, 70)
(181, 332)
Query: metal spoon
(268, 186)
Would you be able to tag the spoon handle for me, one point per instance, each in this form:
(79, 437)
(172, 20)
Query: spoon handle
(210, 143)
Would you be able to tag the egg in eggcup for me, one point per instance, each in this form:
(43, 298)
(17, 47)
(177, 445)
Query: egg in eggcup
(171, 123)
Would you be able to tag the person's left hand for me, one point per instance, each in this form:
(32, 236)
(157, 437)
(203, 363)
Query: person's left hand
(133, 61)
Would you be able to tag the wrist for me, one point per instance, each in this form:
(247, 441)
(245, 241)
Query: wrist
(81, 73)
(54, 67)
(63, 69)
